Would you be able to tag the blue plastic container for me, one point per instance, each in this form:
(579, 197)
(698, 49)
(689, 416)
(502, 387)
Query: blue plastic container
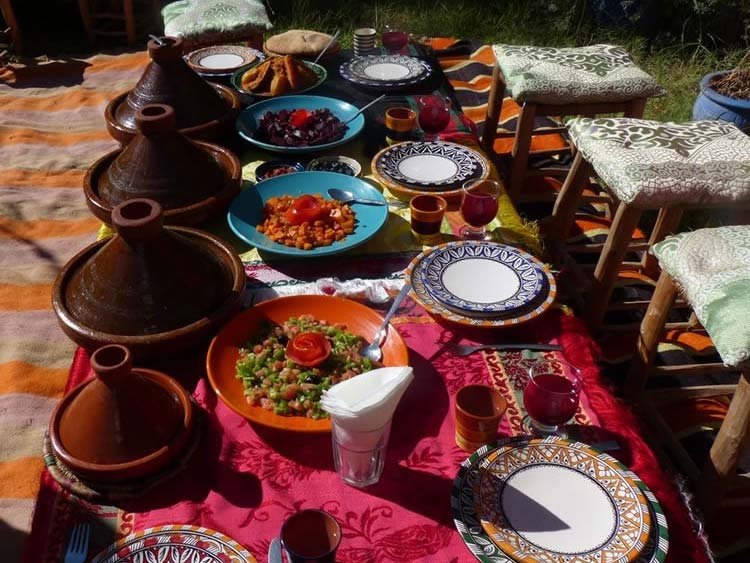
(711, 105)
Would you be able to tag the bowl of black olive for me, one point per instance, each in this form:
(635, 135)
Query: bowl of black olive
(340, 164)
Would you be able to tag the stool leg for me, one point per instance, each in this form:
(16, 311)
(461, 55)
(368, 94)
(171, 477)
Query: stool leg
(613, 253)
(127, 8)
(635, 108)
(521, 146)
(652, 328)
(494, 106)
(6, 9)
(83, 7)
(666, 223)
(557, 227)
(726, 450)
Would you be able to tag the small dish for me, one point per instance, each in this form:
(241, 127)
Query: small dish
(274, 168)
(339, 164)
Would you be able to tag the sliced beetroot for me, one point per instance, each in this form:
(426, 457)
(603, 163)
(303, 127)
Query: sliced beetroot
(319, 127)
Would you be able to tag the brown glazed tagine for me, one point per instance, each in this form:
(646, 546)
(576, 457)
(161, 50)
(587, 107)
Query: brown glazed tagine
(192, 180)
(157, 290)
(203, 110)
(124, 424)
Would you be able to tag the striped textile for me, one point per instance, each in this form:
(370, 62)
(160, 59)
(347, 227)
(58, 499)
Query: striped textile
(51, 130)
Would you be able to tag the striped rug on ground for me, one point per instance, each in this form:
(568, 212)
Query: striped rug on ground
(51, 129)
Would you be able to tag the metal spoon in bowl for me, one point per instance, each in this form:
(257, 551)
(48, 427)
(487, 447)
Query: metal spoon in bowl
(373, 351)
(345, 196)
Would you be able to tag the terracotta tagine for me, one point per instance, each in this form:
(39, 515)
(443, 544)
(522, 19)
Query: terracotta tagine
(193, 181)
(203, 110)
(123, 424)
(157, 290)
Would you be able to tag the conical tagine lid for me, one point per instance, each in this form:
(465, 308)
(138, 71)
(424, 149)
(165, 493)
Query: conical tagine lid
(169, 80)
(162, 164)
(146, 279)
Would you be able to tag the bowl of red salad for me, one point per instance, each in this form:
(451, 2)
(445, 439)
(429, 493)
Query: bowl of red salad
(299, 124)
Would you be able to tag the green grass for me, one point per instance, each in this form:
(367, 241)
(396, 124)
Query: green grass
(677, 65)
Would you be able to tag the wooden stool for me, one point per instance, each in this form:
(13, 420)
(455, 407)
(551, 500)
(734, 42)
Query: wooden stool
(668, 167)
(202, 22)
(6, 9)
(712, 267)
(93, 20)
(586, 81)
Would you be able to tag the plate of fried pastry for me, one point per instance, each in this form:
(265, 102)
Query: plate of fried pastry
(278, 76)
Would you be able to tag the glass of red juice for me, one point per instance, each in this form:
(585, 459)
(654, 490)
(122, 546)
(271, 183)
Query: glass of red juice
(551, 396)
(394, 38)
(427, 212)
(479, 204)
(434, 115)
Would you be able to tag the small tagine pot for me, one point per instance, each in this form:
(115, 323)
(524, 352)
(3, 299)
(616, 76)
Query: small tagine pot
(157, 290)
(124, 424)
(193, 181)
(203, 110)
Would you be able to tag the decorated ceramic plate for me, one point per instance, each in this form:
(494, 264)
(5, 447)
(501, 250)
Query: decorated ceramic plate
(479, 543)
(175, 544)
(249, 120)
(246, 211)
(222, 59)
(428, 164)
(413, 275)
(385, 71)
(457, 273)
(404, 191)
(556, 501)
(224, 351)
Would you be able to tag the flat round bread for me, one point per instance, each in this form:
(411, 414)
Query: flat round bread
(299, 42)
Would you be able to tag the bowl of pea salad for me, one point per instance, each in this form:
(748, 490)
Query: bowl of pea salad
(272, 362)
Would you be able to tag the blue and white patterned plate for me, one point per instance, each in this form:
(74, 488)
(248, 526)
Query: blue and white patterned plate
(385, 71)
(480, 278)
(437, 164)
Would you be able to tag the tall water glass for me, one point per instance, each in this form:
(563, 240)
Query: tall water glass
(359, 456)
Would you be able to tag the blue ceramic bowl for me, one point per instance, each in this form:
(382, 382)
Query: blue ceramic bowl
(263, 171)
(246, 211)
(249, 120)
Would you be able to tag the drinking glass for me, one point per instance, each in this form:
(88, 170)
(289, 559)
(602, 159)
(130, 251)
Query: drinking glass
(479, 206)
(394, 38)
(434, 115)
(359, 455)
(551, 396)
(311, 536)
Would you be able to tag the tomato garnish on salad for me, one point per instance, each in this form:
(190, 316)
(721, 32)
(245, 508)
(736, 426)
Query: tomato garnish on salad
(308, 349)
(305, 208)
(300, 117)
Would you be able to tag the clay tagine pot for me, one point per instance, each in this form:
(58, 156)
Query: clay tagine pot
(193, 181)
(203, 110)
(123, 424)
(157, 290)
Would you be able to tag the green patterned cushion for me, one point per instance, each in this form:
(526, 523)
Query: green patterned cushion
(597, 73)
(712, 266)
(190, 19)
(651, 164)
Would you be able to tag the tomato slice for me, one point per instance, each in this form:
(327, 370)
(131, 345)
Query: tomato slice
(308, 349)
(304, 208)
(300, 117)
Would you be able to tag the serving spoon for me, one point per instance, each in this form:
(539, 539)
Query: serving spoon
(345, 196)
(374, 351)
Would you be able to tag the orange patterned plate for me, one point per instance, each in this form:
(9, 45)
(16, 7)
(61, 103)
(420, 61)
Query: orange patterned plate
(413, 275)
(175, 544)
(556, 501)
(225, 350)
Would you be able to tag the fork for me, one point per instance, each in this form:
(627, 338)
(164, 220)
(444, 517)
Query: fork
(465, 350)
(78, 546)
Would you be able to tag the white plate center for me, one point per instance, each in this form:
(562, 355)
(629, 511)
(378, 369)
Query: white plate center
(428, 168)
(558, 509)
(479, 280)
(221, 60)
(386, 71)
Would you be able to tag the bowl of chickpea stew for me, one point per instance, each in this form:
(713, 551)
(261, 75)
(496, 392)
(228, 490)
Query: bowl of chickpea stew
(264, 216)
(227, 348)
